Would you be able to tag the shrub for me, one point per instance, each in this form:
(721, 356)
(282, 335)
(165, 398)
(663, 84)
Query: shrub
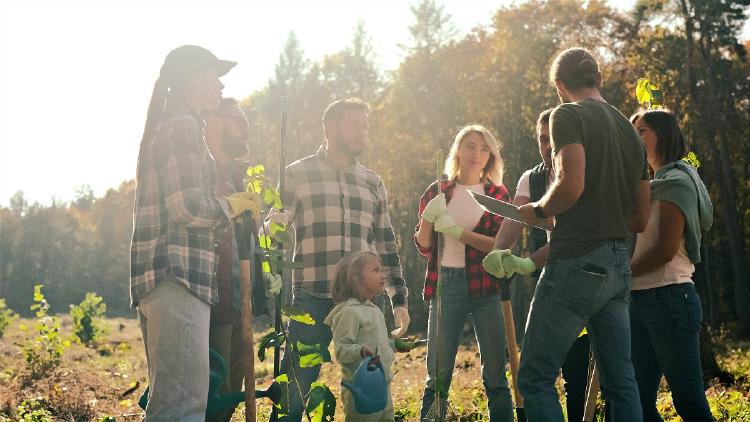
(88, 327)
(43, 350)
(6, 317)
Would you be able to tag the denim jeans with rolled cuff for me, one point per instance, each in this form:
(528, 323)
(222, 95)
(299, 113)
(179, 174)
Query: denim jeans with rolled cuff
(487, 318)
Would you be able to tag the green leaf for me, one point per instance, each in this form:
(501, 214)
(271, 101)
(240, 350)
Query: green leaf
(256, 170)
(282, 407)
(321, 403)
(297, 315)
(271, 339)
(277, 227)
(647, 93)
(692, 159)
(38, 296)
(310, 360)
(255, 186)
(311, 355)
(265, 241)
(282, 237)
(269, 196)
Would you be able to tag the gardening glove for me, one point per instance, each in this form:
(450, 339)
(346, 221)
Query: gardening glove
(403, 345)
(279, 217)
(240, 202)
(493, 263)
(273, 283)
(435, 208)
(401, 319)
(446, 225)
(515, 264)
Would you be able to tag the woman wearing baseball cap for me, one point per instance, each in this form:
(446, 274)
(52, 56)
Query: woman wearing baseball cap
(178, 217)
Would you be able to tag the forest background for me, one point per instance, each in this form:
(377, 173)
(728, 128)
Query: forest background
(496, 76)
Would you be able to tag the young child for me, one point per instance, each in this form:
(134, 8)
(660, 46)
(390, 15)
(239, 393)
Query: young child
(359, 328)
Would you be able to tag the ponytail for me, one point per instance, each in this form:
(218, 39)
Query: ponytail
(576, 68)
(155, 113)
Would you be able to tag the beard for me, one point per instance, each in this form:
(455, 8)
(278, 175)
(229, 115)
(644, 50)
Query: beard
(233, 146)
(344, 146)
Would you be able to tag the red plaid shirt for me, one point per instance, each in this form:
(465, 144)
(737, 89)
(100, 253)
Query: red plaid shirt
(481, 283)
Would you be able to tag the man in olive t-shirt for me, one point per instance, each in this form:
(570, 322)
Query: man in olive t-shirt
(599, 195)
(615, 164)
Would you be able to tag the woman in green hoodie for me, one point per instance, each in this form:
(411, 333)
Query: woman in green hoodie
(665, 312)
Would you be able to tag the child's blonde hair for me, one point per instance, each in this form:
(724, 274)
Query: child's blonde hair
(347, 282)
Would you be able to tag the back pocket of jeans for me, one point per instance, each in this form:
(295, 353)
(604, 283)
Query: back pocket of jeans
(584, 286)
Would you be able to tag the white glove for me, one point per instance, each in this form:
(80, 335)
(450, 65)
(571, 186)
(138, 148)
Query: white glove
(273, 283)
(280, 217)
(401, 319)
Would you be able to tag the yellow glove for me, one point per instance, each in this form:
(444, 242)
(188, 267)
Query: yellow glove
(240, 202)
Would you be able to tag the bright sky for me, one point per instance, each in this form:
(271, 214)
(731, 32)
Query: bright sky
(76, 76)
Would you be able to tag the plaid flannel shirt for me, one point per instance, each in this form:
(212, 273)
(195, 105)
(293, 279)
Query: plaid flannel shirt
(335, 212)
(177, 213)
(481, 283)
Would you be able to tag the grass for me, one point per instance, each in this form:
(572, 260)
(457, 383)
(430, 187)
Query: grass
(94, 382)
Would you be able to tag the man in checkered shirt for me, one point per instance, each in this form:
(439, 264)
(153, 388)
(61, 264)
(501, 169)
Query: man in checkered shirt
(336, 206)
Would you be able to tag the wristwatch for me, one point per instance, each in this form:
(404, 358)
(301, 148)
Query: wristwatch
(539, 212)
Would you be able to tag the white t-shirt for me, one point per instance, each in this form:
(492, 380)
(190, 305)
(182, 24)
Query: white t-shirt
(678, 270)
(524, 189)
(466, 213)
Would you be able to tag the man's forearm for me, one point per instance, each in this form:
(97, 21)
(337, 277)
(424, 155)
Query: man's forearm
(559, 199)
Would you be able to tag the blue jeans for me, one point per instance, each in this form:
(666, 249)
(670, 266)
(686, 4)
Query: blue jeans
(487, 316)
(592, 290)
(666, 323)
(319, 333)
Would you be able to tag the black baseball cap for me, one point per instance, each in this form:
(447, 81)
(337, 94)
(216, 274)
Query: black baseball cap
(192, 58)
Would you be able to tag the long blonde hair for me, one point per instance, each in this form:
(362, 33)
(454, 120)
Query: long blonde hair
(493, 171)
(347, 283)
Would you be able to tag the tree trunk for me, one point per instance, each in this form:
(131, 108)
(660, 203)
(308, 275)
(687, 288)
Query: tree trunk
(707, 103)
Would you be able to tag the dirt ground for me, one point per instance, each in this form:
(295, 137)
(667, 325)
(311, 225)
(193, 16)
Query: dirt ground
(90, 385)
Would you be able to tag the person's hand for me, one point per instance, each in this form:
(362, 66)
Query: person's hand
(279, 217)
(240, 202)
(515, 264)
(435, 208)
(365, 352)
(401, 319)
(528, 216)
(273, 283)
(446, 225)
(493, 262)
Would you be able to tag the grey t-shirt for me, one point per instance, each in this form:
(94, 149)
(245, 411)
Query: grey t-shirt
(615, 164)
